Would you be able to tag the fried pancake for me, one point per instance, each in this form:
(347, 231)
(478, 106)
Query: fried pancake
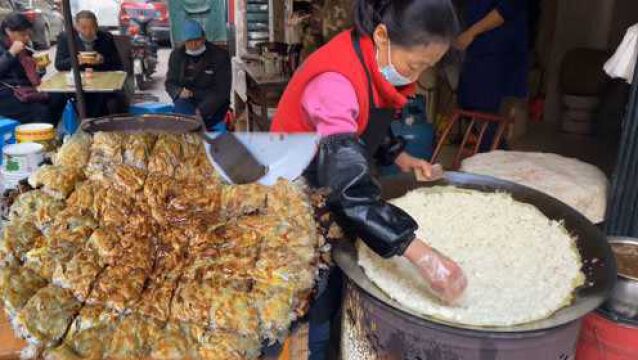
(75, 152)
(137, 149)
(118, 287)
(79, 274)
(36, 206)
(17, 286)
(47, 315)
(152, 256)
(155, 301)
(132, 337)
(171, 344)
(57, 181)
(18, 238)
(229, 346)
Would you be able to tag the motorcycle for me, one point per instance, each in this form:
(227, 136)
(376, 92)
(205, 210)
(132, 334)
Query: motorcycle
(144, 46)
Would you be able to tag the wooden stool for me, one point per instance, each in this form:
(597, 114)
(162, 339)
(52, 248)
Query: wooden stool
(471, 142)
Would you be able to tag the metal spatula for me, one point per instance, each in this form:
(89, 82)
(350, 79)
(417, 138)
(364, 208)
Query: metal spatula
(234, 159)
(263, 157)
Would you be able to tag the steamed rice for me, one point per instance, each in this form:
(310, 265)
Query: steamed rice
(520, 265)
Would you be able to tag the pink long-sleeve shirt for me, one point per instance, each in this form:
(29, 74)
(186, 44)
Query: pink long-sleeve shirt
(330, 104)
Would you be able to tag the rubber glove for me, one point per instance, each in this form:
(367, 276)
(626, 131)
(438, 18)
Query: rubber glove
(444, 277)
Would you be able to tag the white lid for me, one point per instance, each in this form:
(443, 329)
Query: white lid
(27, 148)
(34, 127)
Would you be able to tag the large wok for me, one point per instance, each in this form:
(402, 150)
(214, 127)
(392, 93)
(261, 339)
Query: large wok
(599, 266)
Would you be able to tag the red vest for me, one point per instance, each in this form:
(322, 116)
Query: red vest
(339, 56)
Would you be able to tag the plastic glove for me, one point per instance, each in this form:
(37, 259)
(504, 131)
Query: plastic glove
(444, 277)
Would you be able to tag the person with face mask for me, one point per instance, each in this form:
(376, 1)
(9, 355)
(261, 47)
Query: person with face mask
(90, 38)
(348, 92)
(199, 77)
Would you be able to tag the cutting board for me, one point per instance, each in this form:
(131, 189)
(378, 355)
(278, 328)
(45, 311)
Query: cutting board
(10, 346)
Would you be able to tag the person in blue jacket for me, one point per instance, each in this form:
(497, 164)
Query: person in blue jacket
(496, 45)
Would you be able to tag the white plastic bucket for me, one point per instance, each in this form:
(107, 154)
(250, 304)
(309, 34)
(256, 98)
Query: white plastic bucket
(23, 158)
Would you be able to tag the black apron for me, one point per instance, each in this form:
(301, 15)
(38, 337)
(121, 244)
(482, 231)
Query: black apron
(379, 120)
(329, 295)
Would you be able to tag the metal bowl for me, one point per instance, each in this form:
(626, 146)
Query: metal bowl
(624, 298)
(599, 265)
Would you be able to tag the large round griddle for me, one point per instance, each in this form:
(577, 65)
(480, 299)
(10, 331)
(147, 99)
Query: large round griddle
(153, 123)
(599, 266)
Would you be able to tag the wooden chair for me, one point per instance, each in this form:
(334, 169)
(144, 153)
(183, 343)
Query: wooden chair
(478, 122)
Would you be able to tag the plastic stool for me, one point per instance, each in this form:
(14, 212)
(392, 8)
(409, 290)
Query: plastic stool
(70, 120)
(151, 108)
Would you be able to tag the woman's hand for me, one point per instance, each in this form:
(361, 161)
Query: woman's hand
(17, 47)
(185, 94)
(408, 163)
(464, 40)
(444, 277)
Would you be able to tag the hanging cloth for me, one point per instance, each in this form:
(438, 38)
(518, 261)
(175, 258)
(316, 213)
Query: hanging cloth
(622, 211)
(623, 62)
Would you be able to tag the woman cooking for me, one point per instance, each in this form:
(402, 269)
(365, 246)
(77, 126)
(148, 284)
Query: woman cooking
(348, 92)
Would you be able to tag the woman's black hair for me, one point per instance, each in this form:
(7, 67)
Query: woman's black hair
(409, 22)
(15, 22)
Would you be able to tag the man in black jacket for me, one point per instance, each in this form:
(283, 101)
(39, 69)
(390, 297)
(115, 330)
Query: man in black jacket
(89, 38)
(199, 77)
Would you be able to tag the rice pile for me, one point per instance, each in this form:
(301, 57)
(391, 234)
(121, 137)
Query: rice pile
(520, 265)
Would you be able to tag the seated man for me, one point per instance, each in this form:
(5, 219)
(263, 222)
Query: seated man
(199, 77)
(89, 38)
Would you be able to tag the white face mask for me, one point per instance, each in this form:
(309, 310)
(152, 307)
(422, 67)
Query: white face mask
(196, 52)
(390, 73)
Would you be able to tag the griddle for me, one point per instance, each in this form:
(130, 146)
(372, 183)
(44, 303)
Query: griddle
(599, 264)
(154, 123)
